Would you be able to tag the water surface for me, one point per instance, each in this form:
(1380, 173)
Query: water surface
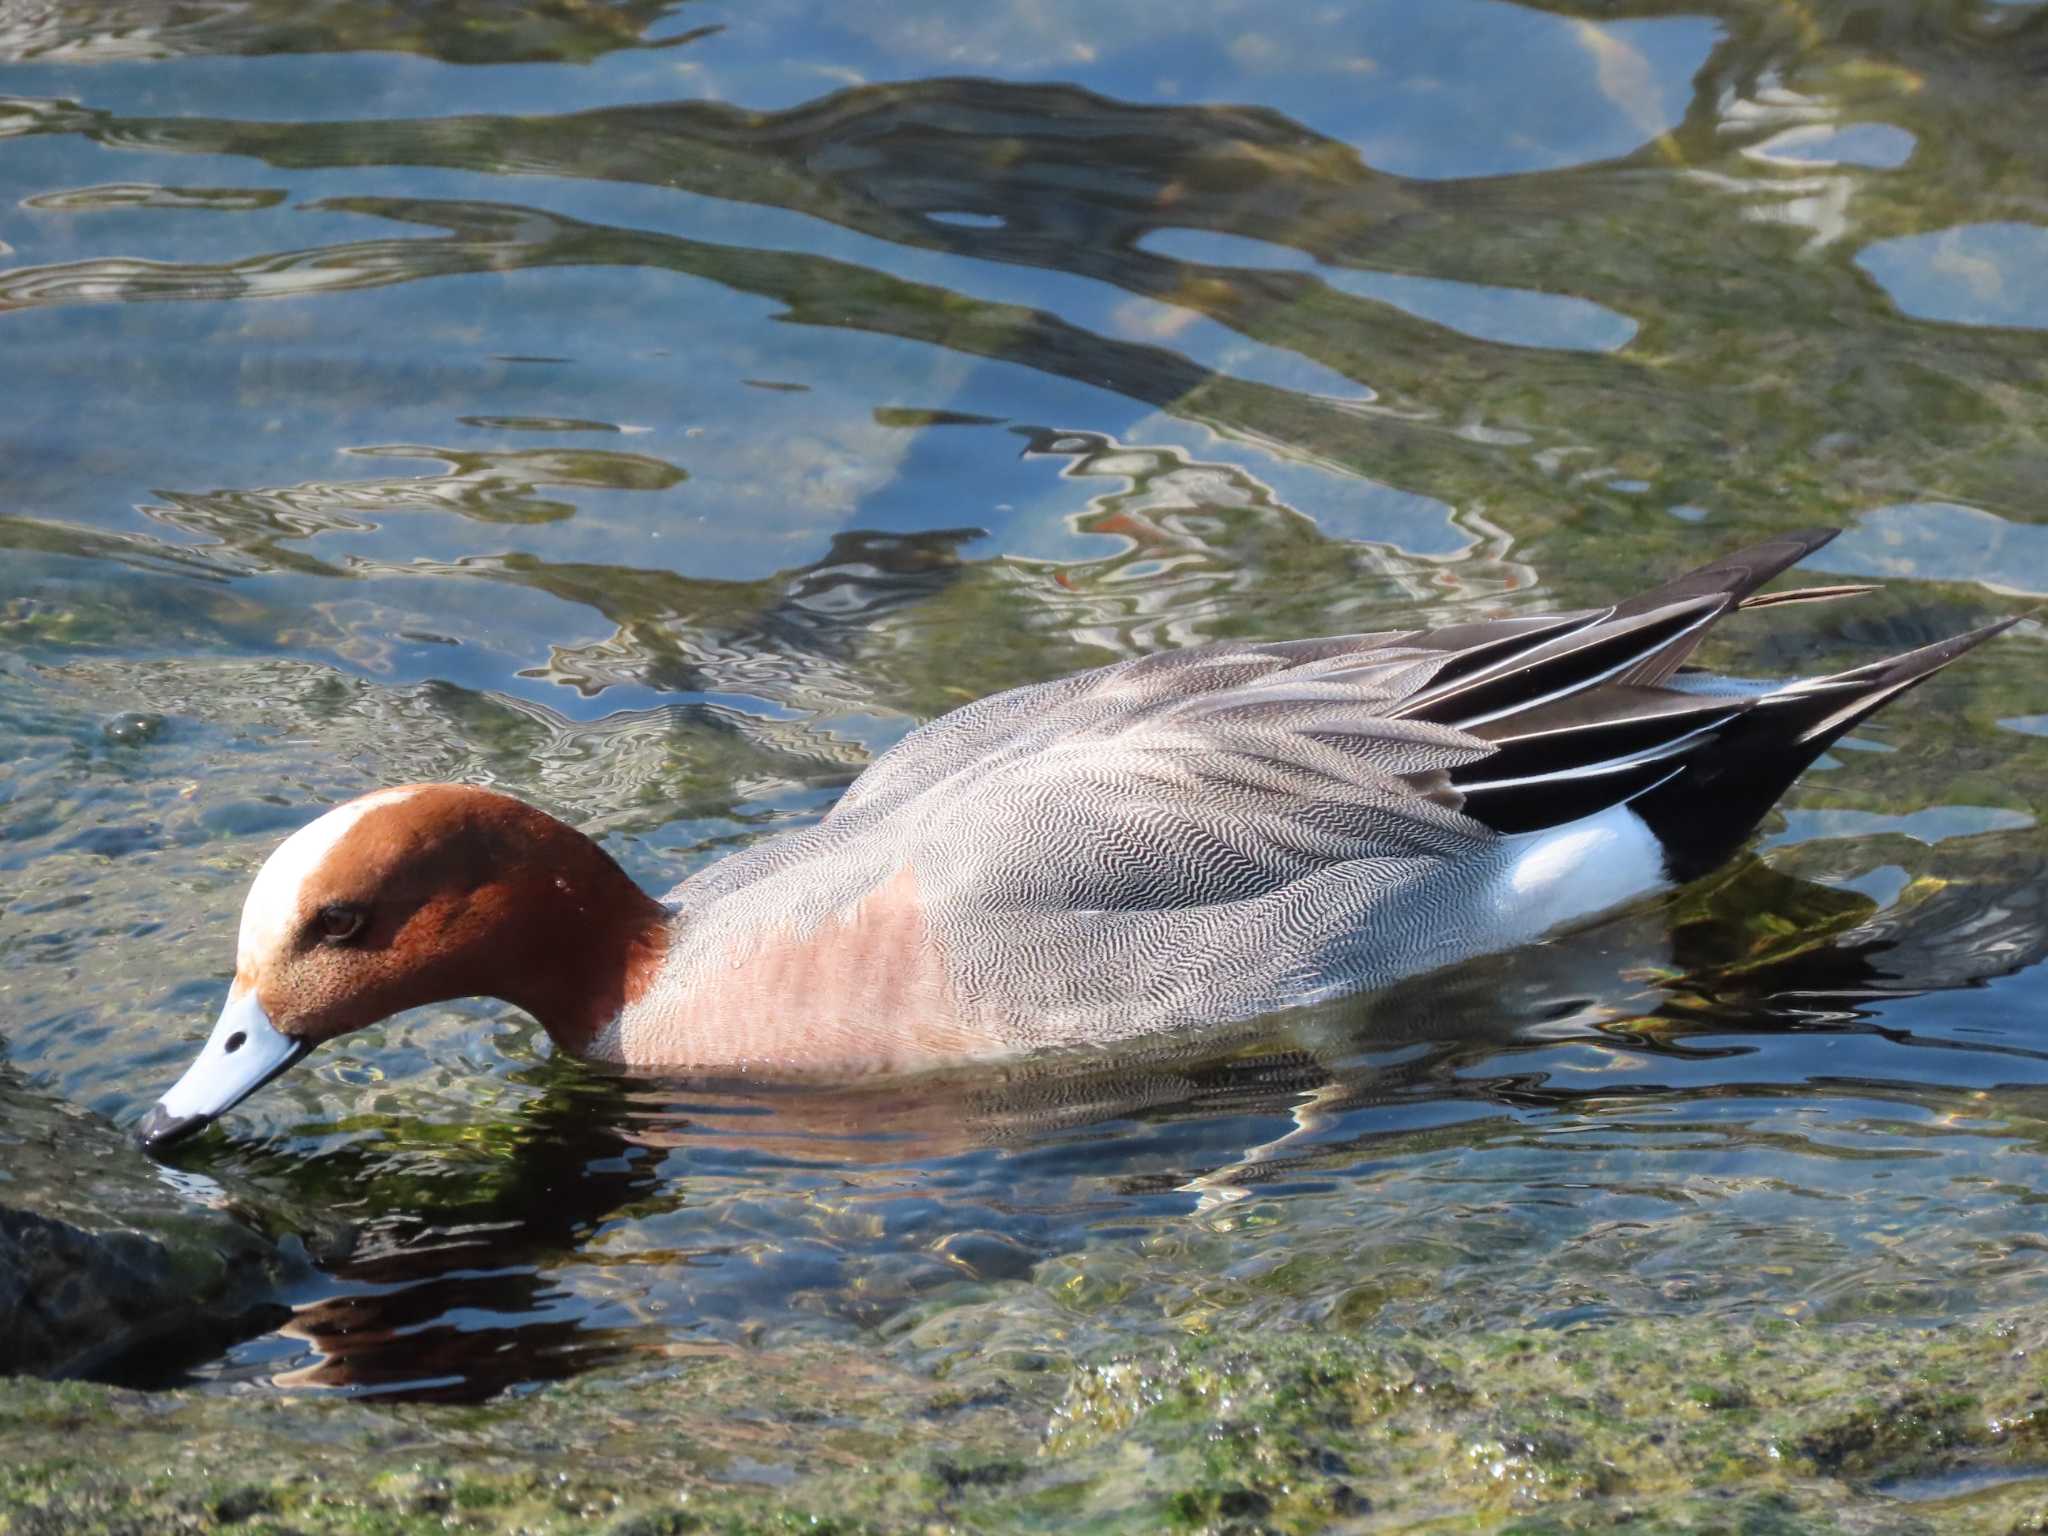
(658, 409)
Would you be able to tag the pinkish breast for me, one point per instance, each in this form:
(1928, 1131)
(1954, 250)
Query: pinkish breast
(866, 990)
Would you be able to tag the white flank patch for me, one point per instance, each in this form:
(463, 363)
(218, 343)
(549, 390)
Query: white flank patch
(273, 900)
(1562, 874)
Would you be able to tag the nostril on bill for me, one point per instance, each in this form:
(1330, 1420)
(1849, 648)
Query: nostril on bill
(234, 1042)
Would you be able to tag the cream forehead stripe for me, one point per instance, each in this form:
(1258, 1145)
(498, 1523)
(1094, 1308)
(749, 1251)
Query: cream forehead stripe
(273, 901)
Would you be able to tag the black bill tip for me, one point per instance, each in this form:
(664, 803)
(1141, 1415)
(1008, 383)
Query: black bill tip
(160, 1128)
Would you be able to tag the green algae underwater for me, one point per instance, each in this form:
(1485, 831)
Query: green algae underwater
(656, 409)
(1649, 1426)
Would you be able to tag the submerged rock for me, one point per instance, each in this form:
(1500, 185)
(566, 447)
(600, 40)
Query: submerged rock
(133, 728)
(114, 1268)
(1687, 1423)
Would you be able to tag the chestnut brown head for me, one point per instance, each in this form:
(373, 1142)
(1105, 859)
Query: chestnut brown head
(405, 897)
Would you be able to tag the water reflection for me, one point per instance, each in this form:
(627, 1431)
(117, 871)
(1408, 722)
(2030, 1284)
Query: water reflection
(1516, 317)
(787, 641)
(108, 30)
(1167, 548)
(1948, 543)
(146, 195)
(447, 1287)
(1977, 274)
(1077, 188)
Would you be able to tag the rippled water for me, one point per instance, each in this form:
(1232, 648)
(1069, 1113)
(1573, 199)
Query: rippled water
(657, 409)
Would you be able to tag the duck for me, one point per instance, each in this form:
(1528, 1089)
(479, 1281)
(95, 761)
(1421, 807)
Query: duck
(1161, 844)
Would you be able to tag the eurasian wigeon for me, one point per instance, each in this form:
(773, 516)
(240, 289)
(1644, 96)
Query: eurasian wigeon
(1183, 839)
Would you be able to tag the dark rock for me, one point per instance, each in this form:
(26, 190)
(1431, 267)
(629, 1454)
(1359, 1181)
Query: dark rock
(244, 1503)
(134, 728)
(114, 1269)
(987, 1255)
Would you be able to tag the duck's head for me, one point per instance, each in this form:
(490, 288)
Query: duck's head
(412, 896)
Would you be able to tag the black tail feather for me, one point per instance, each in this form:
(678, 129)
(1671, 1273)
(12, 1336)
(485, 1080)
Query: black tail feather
(1585, 656)
(1736, 575)
(1556, 762)
(1582, 714)
(1732, 579)
(1731, 781)
(1509, 665)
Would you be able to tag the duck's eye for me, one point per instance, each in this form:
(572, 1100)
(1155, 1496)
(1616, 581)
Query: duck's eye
(339, 923)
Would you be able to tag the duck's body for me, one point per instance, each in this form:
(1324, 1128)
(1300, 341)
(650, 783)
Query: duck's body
(1185, 838)
(1110, 855)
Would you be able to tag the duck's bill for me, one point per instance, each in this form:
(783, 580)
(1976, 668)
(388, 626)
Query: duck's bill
(244, 1052)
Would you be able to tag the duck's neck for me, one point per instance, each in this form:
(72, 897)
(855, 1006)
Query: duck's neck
(589, 940)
